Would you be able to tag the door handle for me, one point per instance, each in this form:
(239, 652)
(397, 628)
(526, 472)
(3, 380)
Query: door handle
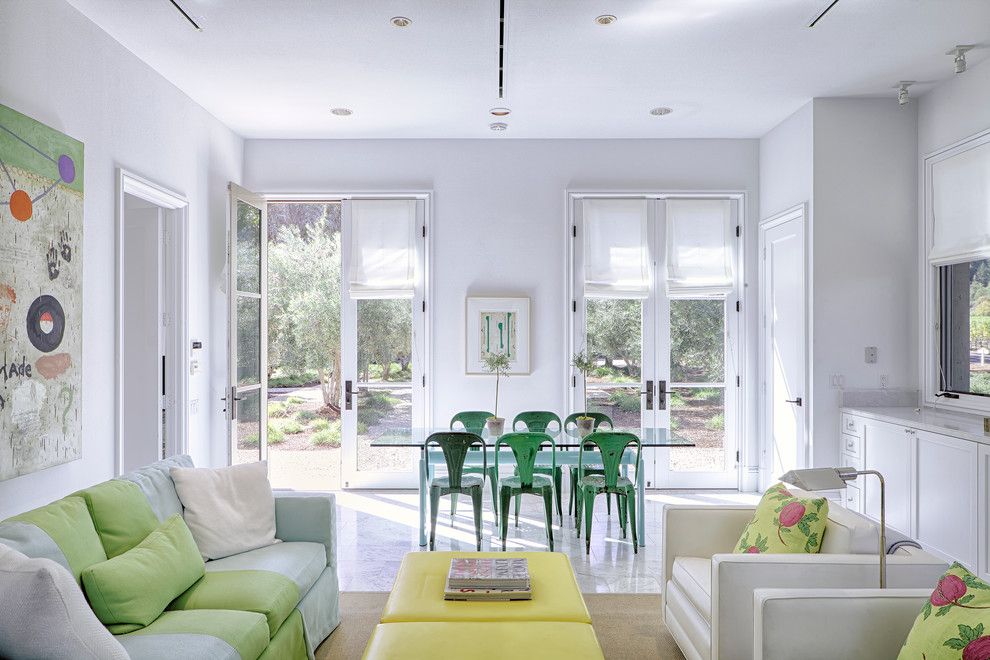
(798, 401)
(662, 395)
(649, 394)
(348, 395)
(232, 400)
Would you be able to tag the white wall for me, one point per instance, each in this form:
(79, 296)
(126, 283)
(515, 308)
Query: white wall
(954, 110)
(498, 225)
(786, 163)
(61, 69)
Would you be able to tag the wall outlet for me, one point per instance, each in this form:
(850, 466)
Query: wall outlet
(871, 355)
(884, 381)
(838, 381)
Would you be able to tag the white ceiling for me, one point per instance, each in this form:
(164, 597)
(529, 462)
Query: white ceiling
(728, 68)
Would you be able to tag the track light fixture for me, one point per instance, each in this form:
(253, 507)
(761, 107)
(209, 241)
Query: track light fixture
(903, 98)
(959, 56)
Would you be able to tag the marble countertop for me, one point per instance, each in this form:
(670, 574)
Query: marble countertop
(952, 423)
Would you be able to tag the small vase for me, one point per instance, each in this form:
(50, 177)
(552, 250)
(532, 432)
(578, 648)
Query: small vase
(585, 426)
(495, 425)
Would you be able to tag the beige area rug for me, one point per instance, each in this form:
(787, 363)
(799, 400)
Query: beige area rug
(627, 625)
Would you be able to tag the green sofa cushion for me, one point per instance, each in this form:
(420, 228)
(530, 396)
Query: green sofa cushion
(246, 632)
(289, 643)
(69, 525)
(121, 514)
(131, 590)
(270, 594)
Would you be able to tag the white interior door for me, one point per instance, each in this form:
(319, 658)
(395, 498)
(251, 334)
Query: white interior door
(784, 347)
(247, 392)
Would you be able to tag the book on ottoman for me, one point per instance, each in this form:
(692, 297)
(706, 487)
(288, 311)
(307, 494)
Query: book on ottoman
(488, 579)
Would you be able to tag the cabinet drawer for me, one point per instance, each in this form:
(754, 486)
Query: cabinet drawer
(852, 445)
(853, 499)
(852, 425)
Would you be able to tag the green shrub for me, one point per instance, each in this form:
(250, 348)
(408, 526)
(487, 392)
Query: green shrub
(328, 437)
(716, 423)
(320, 424)
(275, 435)
(250, 440)
(295, 400)
(625, 401)
(304, 416)
(362, 428)
(291, 427)
(278, 409)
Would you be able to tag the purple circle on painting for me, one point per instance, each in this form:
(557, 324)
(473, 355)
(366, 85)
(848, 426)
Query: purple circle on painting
(66, 168)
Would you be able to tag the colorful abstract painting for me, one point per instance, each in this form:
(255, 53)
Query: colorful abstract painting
(41, 230)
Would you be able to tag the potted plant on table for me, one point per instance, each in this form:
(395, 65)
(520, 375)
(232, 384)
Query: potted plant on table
(582, 362)
(498, 364)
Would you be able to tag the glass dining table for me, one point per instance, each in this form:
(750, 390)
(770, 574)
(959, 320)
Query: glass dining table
(568, 449)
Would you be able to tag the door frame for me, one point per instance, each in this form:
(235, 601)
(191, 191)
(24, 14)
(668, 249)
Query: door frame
(738, 323)
(799, 213)
(175, 217)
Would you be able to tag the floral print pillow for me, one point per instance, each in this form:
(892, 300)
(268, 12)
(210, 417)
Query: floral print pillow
(785, 523)
(954, 624)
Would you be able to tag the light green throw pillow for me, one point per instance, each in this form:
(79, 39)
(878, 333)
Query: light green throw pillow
(131, 590)
(954, 623)
(785, 523)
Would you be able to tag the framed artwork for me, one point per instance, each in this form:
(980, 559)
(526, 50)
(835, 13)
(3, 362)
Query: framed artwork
(41, 230)
(498, 325)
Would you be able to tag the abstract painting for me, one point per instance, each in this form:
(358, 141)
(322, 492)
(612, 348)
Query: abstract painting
(41, 228)
(498, 325)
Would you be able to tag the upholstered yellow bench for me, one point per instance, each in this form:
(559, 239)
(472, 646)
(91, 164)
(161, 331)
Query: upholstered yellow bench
(417, 622)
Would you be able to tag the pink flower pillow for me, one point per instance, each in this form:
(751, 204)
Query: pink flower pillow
(785, 523)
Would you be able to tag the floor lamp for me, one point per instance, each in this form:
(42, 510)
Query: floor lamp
(834, 479)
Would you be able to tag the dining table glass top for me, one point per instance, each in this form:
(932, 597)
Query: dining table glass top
(416, 437)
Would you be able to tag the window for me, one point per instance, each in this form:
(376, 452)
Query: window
(964, 319)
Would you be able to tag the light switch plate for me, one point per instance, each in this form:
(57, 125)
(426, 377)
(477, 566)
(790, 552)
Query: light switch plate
(871, 355)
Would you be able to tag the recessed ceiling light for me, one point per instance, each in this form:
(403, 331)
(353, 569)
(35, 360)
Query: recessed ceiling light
(605, 19)
(498, 126)
(400, 21)
(661, 111)
(341, 112)
(500, 112)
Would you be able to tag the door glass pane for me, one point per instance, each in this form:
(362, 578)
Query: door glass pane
(697, 341)
(304, 430)
(621, 404)
(248, 340)
(248, 248)
(247, 430)
(698, 414)
(384, 361)
(965, 320)
(615, 339)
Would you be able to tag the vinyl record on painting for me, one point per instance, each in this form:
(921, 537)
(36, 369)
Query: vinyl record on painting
(45, 323)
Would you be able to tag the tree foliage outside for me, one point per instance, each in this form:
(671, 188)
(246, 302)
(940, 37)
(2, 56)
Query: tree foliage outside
(614, 330)
(384, 339)
(697, 341)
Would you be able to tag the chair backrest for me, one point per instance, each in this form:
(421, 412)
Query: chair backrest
(570, 423)
(537, 421)
(611, 445)
(524, 447)
(473, 421)
(455, 446)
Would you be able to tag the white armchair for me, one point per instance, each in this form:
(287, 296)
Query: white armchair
(861, 623)
(708, 593)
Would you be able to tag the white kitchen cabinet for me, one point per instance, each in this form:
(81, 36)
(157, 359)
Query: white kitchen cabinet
(947, 500)
(890, 450)
(983, 511)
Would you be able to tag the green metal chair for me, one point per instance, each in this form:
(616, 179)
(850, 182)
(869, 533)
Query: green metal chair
(611, 445)
(473, 421)
(455, 446)
(538, 421)
(570, 428)
(525, 447)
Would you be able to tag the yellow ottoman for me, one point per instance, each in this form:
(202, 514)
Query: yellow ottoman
(547, 640)
(418, 591)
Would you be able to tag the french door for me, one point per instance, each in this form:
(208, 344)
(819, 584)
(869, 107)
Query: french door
(662, 332)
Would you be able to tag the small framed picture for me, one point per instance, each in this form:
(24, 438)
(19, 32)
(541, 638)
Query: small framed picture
(497, 325)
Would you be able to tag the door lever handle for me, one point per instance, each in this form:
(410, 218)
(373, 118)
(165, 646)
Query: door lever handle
(798, 401)
(649, 394)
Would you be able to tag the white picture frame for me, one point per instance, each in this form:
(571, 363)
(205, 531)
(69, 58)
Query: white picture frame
(497, 325)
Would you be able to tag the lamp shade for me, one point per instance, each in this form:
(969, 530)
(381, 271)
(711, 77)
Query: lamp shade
(815, 478)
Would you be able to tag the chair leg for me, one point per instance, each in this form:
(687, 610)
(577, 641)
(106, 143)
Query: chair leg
(578, 500)
(589, 510)
(518, 500)
(504, 497)
(453, 508)
(434, 505)
(493, 481)
(622, 501)
(548, 510)
(558, 478)
(608, 504)
(631, 497)
(573, 489)
(476, 501)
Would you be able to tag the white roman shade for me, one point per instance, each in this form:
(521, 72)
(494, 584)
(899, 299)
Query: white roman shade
(700, 239)
(383, 248)
(616, 252)
(961, 207)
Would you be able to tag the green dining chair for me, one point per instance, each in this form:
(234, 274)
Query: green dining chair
(455, 446)
(539, 421)
(473, 421)
(611, 445)
(570, 428)
(525, 447)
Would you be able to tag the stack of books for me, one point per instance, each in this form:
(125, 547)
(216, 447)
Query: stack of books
(488, 579)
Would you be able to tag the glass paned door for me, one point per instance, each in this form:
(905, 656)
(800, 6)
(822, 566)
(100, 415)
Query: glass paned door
(246, 396)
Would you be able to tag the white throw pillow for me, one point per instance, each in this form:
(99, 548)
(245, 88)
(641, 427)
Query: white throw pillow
(44, 614)
(228, 510)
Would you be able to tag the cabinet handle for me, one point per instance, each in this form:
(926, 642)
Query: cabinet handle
(850, 444)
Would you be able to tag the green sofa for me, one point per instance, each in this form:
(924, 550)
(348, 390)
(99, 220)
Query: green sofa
(276, 602)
